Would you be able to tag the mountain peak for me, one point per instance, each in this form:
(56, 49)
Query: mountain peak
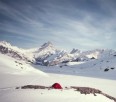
(74, 51)
(48, 44)
(5, 43)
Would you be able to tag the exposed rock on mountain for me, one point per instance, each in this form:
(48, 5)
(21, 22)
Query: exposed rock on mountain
(49, 55)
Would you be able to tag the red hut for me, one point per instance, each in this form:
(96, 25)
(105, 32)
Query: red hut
(56, 86)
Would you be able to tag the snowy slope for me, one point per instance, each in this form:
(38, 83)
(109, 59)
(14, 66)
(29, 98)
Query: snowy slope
(12, 75)
(15, 52)
(94, 63)
(49, 96)
(99, 68)
(13, 66)
(49, 55)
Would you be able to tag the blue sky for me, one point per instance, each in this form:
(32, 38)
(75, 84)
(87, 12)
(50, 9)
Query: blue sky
(82, 24)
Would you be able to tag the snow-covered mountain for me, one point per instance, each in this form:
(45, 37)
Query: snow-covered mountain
(16, 73)
(87, 70)
(49, 55)
(15, 52)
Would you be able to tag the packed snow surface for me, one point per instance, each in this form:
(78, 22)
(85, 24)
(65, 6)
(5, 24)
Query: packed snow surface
(15, 73)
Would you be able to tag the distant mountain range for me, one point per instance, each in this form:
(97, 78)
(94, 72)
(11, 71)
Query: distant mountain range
(49, 55)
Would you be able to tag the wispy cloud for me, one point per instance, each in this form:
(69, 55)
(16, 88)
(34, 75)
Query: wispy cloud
(85, 24)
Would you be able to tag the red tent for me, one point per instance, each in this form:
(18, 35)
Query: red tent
(56, 86)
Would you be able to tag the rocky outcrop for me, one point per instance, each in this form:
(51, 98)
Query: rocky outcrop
(82, 90)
